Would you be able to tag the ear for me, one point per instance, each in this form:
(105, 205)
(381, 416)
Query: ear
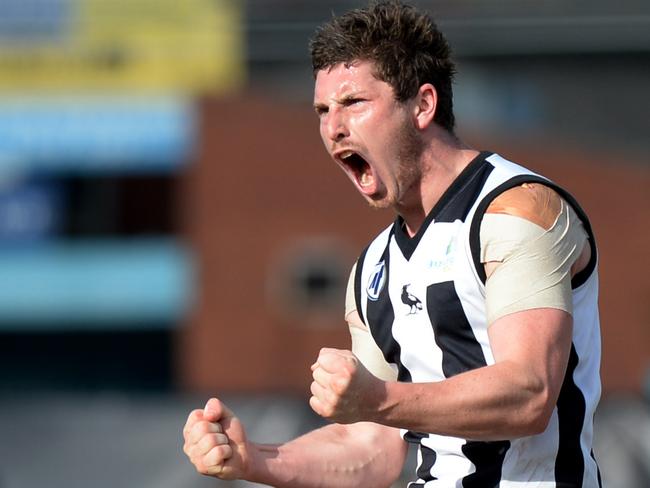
(426, 102)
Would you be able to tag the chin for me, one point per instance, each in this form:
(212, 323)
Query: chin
(380, 202)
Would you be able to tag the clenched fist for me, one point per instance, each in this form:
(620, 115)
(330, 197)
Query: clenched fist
(215, 442)
(343, 390)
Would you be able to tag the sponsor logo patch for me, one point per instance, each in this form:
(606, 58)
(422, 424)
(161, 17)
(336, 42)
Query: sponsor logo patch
(377, 281)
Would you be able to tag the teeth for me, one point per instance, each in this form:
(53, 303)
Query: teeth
(346, 154)
(365, 179)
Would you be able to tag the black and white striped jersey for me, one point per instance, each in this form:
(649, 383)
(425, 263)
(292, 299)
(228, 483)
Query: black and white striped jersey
(423, 300)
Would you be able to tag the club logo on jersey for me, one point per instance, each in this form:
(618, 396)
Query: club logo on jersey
(410, 300)
(445, 259)
(377, 281)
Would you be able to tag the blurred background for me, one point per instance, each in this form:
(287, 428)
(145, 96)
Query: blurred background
(171, 228)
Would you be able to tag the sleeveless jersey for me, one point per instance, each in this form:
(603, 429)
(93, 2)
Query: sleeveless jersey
(423, 300)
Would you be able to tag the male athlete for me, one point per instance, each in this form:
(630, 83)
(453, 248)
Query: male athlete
(473, 316)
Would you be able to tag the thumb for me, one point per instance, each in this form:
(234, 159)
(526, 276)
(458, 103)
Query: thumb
(215, 410)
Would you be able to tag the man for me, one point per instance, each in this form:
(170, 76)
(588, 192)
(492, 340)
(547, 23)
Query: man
(473, 317)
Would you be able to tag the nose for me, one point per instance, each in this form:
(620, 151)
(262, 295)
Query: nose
(334, 126)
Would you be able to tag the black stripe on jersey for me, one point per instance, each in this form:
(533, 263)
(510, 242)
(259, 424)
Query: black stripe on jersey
(453, 333)
(462, 352)
(582, 276)
(488, 458)
(454, 204)
(428, 455)
(357, 284)
(381, 316)
(475, 227)
(428, 460)
(570, 463)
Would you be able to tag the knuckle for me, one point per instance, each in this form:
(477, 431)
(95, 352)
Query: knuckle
(340, 383)
(221, 439)
(328, 411)
(220, 453)
(203, 427)
(200, 466)
(193, 417)
(207, 442)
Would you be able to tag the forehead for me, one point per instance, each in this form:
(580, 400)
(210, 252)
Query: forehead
(342, 79)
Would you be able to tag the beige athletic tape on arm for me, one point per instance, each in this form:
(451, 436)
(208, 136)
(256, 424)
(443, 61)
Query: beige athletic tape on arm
(535, 264)
(363, 345)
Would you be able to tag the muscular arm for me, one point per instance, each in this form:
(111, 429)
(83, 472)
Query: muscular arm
(511, 398)
(356, 455)
(338, 456)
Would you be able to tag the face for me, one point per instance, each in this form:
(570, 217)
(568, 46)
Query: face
(368, 133)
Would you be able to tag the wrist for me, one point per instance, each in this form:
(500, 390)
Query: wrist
(386, 403)
(266, 465)
(253, 470)
(377, 403)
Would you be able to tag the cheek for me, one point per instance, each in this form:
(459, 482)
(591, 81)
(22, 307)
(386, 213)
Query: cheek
(364, 121)
(321, 131)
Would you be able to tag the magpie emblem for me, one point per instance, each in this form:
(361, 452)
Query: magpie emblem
(413, 302)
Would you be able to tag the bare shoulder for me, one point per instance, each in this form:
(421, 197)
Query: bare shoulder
(531, 201)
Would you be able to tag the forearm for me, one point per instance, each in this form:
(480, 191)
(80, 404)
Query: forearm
(338, 456)
(512, 398)
(485, 404)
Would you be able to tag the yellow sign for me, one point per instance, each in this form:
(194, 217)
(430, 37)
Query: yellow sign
(148, 45)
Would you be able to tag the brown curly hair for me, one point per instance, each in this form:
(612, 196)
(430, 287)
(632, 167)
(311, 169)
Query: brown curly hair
(404, 44)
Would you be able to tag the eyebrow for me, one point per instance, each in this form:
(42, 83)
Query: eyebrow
(349, 96)
(318, 106)
(342, 100)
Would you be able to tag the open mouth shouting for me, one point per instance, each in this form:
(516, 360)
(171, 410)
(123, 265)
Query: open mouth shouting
(358, 170)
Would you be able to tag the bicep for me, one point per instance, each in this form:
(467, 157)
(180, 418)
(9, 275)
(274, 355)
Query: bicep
(538, 343)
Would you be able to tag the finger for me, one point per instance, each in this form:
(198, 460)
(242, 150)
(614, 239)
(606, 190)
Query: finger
(323, 351)
(217, 455)
(213, 409)
(216, 410)
(322, 377)
(197, 452)
(321, 408)
(212, 462)
(194, 417)
(318, 391)
(316, 405)
(329, 350)
(326, 399)
(210, 441)
(335, 361)
(201, 429)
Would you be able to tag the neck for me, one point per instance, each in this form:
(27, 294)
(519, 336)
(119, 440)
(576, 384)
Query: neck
(441, 164)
